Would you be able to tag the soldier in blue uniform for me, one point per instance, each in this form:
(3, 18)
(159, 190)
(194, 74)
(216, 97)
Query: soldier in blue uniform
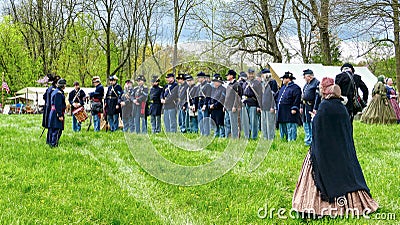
(288, 106)
(170, 101)
(192, 100)
(156, 93)
(47, 104)
(182, 102)
(76, 99)
(216, 105)
(233, 105)
(96, 98)
(112, 103)
(204, 95)
(252, 94)
(268, 106)
(309, 103)
(56, 118)
(127, 107)
(140, 93)
(271, 82)
(349, 83)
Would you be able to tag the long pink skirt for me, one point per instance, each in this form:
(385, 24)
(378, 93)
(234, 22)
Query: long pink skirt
(307, 199)
(396, 107)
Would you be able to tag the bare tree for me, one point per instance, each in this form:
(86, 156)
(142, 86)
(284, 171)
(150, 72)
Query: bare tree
(377, 20)
(46, 24)
(181, 8)
(151, 21)
(254, 29)
(305, 30)
(320, 10)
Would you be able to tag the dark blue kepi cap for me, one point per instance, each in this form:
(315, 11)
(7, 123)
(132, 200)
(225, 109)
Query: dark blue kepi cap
(308, 72)
(231, 72)
(201, 74)
(188, 77)
(265, 70)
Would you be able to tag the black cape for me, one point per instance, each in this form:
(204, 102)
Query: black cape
(336, 169)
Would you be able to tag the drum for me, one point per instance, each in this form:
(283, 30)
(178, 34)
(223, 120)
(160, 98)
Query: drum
(80, 114)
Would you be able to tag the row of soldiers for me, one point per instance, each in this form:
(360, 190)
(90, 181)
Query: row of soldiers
(243, 104)
(229, 106)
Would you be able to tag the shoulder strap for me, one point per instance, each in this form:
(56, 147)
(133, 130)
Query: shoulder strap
(251, 87)
(76, 95)
(354, 84)
(112, 88)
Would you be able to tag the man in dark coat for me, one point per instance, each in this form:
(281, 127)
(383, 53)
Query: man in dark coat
(271, 82)
(233, 105)
(127, 107)
(192, 100)
(204, 94)
(156, 93)
(288, 107)
(47, 103)
(268, 106)
(216, 105)
(112, 103)
(141, 93)
(182, 102)
(309, 103)
(170, 101)
(252, 91)
(56, 117)
(76, 100)
(96, 99)
(349, 83)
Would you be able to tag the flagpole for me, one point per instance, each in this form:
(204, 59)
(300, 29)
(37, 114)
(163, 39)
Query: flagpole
(2, 91)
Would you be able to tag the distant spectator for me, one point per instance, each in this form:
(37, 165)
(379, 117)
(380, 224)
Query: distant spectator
(393, 97)
(379, 110)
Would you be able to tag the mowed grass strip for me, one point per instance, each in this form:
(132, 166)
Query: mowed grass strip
(92, 178)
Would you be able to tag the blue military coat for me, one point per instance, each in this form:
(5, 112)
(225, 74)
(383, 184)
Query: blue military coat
(156, 93)
(170, 95)
(288, 99)
(47, 106)
(310, 99)
(217, 100)
(58, 107)
(113, 98)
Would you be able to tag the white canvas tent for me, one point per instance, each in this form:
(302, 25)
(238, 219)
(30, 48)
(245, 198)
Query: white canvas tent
(320, 71)
(34, 95)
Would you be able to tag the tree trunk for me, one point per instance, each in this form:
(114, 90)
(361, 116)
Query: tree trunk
(324, 33)
(396, 24)
(271, 35)
(176, 36)
(42, 47)
(108, 40)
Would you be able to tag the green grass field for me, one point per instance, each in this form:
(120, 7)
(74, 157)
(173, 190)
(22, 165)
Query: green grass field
(93, 178)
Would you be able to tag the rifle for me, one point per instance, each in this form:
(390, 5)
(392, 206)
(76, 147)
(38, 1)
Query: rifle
(105, 115)
(44, 128)
(90, 120)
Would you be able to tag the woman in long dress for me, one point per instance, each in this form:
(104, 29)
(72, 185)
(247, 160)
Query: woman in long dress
(379, 110)
(392, 96)
(331, 182)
